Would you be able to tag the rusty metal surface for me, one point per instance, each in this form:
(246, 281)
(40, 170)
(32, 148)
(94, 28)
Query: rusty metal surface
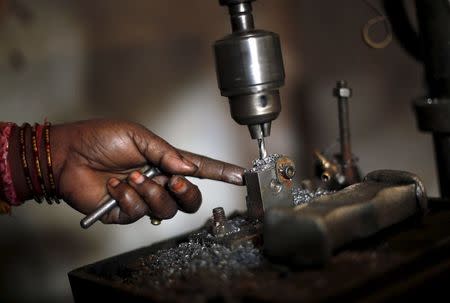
(269, 183)
(309, 234)
(405, 261)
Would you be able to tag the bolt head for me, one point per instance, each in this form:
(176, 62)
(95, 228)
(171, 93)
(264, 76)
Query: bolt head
(276, 186)
(342, 92)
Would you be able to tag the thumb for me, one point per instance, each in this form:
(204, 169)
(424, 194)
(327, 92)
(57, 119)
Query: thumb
(160, 153)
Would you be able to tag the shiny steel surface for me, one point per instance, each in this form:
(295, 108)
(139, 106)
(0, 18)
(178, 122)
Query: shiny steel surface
(262, 148)
(250, 70)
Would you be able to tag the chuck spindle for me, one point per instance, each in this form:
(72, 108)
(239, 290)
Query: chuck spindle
(250, 71)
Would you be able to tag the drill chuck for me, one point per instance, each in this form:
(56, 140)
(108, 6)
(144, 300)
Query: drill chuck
(250, 70)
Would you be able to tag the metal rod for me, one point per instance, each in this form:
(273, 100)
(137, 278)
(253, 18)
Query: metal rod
(343, 92)
(86, 222)
(262, 148)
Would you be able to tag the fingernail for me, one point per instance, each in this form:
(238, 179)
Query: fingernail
(114, 182)
(189, 164)
(178, 185)
(137, 178)
(236, 178)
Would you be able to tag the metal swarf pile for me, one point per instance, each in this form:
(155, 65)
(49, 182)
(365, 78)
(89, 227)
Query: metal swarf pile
(264, 164)
(300, 196)
(192, 258)
(304, 196)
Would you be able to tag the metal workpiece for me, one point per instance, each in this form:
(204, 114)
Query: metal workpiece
(309, 234)
(269, 185)
(250, 70)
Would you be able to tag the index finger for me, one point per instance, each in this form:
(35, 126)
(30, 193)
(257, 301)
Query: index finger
(209, 168)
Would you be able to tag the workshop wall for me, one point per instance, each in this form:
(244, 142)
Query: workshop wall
(151, 62)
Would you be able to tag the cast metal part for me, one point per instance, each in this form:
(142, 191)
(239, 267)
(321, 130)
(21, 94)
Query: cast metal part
(269, 187)
(308, 235)
(110, 203)
(250, 70)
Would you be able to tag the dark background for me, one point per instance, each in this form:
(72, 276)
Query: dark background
(151, 62)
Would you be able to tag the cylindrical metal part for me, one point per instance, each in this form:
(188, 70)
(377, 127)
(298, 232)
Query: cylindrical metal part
(344, 125)
(107, 206)
(249, 63)
(433, 116)
(250, 70)
(434, 30)
(241, 17)
(262, 148)
(219, 215)
(343, 93)
(442, 148)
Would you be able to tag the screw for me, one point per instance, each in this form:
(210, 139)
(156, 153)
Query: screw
(288, 171)
(219, 220)
(219, 215)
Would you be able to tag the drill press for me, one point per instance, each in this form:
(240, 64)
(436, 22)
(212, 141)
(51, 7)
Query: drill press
(250, 71)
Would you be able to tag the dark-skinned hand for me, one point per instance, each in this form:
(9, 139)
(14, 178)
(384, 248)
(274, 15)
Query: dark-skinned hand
(95, 158)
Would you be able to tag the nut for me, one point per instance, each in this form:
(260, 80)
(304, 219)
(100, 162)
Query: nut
(342, 92)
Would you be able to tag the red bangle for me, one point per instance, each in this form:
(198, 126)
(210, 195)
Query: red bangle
(38, 175)
(7, 188)
(25, 166)
(51, 178)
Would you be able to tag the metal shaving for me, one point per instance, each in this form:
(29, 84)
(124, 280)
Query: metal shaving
(191, 258)
(264, 164)
(304, 196)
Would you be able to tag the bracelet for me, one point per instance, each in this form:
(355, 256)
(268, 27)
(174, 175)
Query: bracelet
(51, 178)
(25, 165)
(38, 164)
(7, 189)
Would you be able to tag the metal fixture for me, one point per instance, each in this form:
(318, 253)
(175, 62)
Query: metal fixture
(309, 234)
(250, 71)
(269, 186)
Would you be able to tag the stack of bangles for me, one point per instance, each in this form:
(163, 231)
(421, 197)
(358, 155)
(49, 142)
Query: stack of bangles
(36, 163)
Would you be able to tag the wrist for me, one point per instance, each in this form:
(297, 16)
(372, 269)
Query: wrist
(59, 135)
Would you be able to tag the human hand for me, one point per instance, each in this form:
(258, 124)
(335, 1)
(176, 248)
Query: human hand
(94, 158)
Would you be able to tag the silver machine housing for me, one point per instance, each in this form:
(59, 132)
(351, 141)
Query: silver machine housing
(250, 70)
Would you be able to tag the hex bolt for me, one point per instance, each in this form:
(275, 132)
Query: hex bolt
(342, 92)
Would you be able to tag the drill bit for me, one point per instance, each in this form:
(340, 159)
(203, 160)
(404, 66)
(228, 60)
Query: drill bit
(262, 148)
